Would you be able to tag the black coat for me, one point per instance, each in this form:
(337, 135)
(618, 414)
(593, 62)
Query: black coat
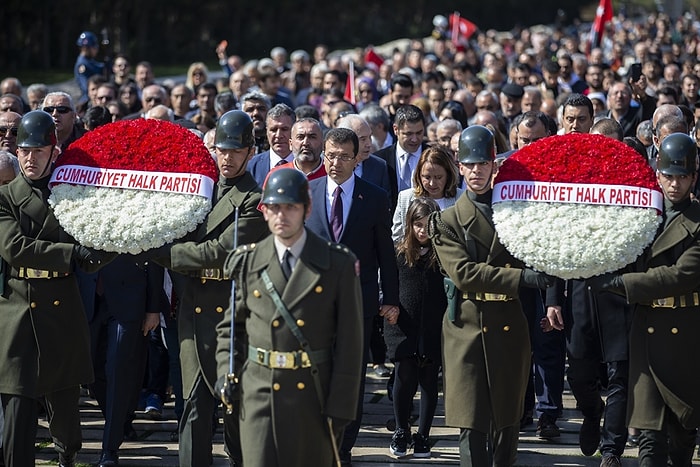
(422, 304)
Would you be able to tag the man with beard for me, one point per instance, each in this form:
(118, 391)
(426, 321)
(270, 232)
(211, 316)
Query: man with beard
(307, 145)
(257, 104)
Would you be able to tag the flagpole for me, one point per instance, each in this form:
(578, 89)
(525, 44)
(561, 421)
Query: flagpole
(455, 28)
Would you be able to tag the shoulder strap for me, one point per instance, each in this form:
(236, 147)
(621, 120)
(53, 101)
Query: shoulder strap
(282, 308)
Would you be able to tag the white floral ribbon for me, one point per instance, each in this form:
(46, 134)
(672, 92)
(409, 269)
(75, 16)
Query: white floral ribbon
(578, 193)
(168, 182)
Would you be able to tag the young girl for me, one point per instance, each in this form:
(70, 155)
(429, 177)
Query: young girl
(413, 343)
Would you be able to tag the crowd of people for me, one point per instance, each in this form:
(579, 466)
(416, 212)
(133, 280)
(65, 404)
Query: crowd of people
(391, 192)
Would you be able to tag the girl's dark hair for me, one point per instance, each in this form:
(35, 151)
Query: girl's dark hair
(409, 246)
(96, 117)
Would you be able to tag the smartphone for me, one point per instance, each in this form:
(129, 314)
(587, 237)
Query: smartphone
(635, 72)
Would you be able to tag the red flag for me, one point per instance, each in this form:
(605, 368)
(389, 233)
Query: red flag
(350, 85)
(461, 28)
(371, 57)
(603, 15)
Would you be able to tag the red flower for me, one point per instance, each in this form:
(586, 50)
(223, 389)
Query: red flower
(145, 145)
(579, 158)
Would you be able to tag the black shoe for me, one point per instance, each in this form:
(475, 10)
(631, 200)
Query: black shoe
(399, 442)
(129, 433)
(547, 428)
(633, 441)
(526, 421)
(109, 459)
(589, 436)
(421, 446)
(66, 460)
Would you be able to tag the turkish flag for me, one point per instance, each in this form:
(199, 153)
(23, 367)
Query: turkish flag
(350, 85)
(461, 28)
(371, 57)
(603, 15)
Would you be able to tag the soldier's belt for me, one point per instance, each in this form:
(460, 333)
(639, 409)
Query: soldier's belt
(683, 301)
(487, 297)
(286, 360)
(30, 273)
(213, 274)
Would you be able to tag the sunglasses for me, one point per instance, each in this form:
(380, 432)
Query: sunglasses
(157, 100)
(62, 109)
(9, 130)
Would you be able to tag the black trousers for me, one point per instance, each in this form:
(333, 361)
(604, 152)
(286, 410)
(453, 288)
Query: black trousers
(672, 446)
(196, 429)
(21, 414)
(409, 374)
(583, 376)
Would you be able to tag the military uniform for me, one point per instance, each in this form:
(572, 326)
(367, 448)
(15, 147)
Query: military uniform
(45, 344)
(486, 346)
(282, 423)
(205, 294)
(664, 343)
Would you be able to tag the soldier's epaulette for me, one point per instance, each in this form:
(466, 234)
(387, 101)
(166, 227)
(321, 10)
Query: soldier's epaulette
(339, 247)
(245, 248)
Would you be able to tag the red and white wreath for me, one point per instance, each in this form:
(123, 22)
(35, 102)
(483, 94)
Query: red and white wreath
(133, 185)
(575, 206)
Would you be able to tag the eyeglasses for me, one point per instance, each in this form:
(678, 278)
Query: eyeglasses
(157, 100)
(339, 157)
(12, 130)
(62, 109)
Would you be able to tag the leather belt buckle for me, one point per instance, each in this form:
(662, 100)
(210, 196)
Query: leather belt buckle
(283, 360)
(30, 273)
(667, 302)
(211, 273)
(495, 297)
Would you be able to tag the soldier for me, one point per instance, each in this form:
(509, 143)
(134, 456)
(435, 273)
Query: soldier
(86, 65)
(299, 298)
(664, 290)
(45, 345)
(207, 290)
(486, 345)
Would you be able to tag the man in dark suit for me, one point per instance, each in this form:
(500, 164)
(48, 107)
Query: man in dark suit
(122, 303)
(369, 167)
(402, 157)
(355, 213)
(279, 131)
(206, 291)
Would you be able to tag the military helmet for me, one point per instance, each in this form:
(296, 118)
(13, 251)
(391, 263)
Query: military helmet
(286, 186)
(677, 155)
(86, 39)
(36, 129)
(476, 144)
(234, 130)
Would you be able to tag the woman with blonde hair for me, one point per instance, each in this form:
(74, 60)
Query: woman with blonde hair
(197, 74)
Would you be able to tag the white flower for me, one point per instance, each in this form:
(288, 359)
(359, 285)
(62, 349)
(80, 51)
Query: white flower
(574, 241)
(125, 221)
